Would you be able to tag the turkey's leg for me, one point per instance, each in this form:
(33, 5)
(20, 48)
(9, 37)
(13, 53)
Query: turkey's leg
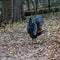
(34, 41)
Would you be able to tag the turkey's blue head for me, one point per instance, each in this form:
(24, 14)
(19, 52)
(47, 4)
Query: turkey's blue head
(29, 20)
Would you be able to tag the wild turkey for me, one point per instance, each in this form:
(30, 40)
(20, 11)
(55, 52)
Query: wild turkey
(34, 26)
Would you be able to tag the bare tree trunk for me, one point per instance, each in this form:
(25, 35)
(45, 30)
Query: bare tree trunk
(33, 5)
(22, 9)
(4, 11)
(16, 10)
(36, 7)
(49, 4)
(28, 4)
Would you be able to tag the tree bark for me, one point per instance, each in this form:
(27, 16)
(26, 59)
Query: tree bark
(49, 4)
(28, 4)
(36, 3)
(22, 9)
(16, 11)
(6, 10)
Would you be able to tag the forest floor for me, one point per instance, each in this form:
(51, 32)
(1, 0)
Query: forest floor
(15, 43)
